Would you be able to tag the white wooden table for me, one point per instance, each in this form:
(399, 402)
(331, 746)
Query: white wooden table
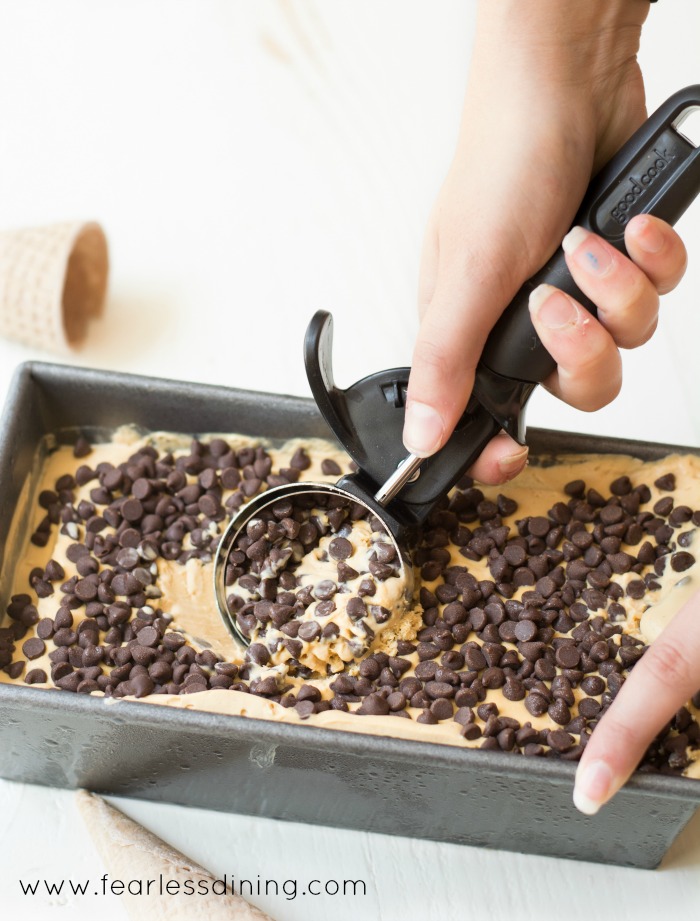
(251, 162)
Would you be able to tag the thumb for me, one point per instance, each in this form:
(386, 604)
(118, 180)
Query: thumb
(466, 302)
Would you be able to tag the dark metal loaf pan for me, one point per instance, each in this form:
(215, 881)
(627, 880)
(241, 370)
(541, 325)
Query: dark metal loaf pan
(299, 773)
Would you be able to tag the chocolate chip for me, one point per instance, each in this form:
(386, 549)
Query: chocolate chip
(435, 689)
(309, 631)
(493, 677)
(525, 630)
(539, 526)
(36, 676)
(559, 740)
(385, 551)
(148, 636)
(681, 561)
(356, 608)
(329, 467)
(340, 548)
(513, 689)
(567, 656)
(64, 637)
(536, 704)
(667, 483)
(442, 709)
(325, 589)
(300, 460)
(622, 486)
(45, 628)
(54, 572)
(589, 708)
(374, 705)
(259, 654)
(33, 648)
(305, 708)
(593, 685)
(636, 588)
(559, 712)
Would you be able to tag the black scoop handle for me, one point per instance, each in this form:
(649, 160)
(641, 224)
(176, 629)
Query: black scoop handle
(656, 172)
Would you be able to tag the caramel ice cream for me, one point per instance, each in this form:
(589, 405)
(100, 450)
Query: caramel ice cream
(529, 608)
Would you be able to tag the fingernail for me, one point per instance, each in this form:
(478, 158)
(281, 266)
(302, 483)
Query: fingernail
(648, 236)
(422, 429)
(587, 251)
(512, 463)
(552, 308)
(592, 787)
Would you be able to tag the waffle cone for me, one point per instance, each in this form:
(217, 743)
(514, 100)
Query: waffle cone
(131, 853)
(53, 281)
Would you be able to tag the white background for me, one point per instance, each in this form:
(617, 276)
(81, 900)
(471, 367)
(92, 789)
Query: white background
(252, 162)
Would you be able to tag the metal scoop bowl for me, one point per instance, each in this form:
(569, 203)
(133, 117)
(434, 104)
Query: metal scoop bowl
(300, 573)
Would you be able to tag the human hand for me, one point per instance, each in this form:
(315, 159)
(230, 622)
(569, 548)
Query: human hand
(663, 680)
(554, 91)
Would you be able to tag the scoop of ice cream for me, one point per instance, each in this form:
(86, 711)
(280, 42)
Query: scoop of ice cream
(314, 580)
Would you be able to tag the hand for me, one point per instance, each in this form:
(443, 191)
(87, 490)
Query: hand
(663, 680)
(554, 90)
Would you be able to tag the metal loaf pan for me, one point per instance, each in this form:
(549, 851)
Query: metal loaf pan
(299, 773)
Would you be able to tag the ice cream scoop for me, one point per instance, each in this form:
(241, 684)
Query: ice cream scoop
(656, 172)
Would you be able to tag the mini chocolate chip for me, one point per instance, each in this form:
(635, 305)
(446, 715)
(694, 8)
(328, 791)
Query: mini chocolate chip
(681, 561)
(525, 630)
(54, 572)
(259, 654)
(622, 486)
(442, 709)
(567, 656)
(33, 648)
(593, 685)
(559, 712)
(667, 483)
(340, 548)
(36, 676)
(309, 631)
(636, 588)
(513, 689)
(536, 704)
(374, 705)
(559, 740)
(329, 467)
(589, 708)
(325, 589)
(45, 628)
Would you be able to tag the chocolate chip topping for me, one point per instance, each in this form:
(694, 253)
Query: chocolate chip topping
(545, 626)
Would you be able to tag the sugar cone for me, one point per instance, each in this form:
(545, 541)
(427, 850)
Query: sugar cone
(130, 852)
(53, 280)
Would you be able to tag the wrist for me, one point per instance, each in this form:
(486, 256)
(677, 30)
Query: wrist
(570, 43)
(567, 66)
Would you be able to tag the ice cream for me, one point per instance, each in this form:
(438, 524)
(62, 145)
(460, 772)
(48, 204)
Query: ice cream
(529, 607)
(315, 581)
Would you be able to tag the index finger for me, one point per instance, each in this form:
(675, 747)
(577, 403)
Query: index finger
(664, 679)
